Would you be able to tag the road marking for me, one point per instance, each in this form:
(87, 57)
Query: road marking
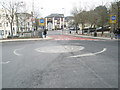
(90, 54)
(15, 52)
(59, 49)
(5, 62)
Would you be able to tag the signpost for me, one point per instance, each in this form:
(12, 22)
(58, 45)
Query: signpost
(42, 22)
(113, 19)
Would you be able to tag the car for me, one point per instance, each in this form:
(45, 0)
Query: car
(72, 28)
(85, 30)
(92, 29)
(100, 29)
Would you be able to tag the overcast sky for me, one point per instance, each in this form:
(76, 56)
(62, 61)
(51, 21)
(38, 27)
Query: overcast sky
(61, 6)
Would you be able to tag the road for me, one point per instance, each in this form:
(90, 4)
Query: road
(63, 62)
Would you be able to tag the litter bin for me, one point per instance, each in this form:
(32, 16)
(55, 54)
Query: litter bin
(95, 34)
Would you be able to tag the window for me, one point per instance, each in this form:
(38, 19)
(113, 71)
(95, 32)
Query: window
(13, 30)
(28, 23)
(2, 32)
(6, 32)
(0, 24)
(7, 24)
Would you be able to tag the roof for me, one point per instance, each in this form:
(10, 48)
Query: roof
(24, 14)
(55, 16)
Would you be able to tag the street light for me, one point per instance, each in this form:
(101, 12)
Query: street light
(63, 16)
(41, 12)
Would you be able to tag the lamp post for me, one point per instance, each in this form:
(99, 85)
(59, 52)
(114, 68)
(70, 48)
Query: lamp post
(41, 12)
(63, 20)
(63, 17)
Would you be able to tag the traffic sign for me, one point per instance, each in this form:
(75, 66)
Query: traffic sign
(113, 19)
(41, 22)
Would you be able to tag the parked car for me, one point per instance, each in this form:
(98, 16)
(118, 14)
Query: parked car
(92, 29)
(88, 30)
(72, 28)
(100, 29)
(85, 30)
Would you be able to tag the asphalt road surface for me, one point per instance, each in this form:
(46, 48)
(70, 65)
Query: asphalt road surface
(63, 62)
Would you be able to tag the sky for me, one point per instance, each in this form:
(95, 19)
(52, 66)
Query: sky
(46, 7)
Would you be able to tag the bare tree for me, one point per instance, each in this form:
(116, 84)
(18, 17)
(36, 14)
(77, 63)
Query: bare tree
(103, 16)
(11, 9)
(36, 16)
(92, 18)
(75, 13)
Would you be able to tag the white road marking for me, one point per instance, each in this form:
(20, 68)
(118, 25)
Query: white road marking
(15, 52)
(5, 62)
(90, 54)
(59, 49)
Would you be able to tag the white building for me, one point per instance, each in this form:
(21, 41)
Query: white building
(54, 21)
(4, 25)
(5, 29)
(24, 22)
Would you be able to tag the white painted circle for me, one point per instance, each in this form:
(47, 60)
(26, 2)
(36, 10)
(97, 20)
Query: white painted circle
(59, 49)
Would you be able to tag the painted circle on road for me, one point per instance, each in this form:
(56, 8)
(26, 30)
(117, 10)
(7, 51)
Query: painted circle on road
(59, 49)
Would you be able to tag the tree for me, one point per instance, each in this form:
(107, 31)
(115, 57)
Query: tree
(115, 9)
(83, 18)
(75, 13)
(11, 9)
(92, 18)
(36, 14)
(103, 16)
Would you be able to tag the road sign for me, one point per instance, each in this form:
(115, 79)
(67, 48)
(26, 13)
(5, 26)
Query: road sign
(113, 19)
(42, 22)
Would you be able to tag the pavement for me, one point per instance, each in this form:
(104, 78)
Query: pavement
(85, 36)
(90, 36)
(28, 39)
(48, 38)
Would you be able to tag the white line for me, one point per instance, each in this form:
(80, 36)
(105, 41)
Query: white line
(5, 62)
(90, 54)
(15, 52)
(104, 49)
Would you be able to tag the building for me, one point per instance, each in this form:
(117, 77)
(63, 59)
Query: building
(5, 29)
(24, 22)
(54, 21)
